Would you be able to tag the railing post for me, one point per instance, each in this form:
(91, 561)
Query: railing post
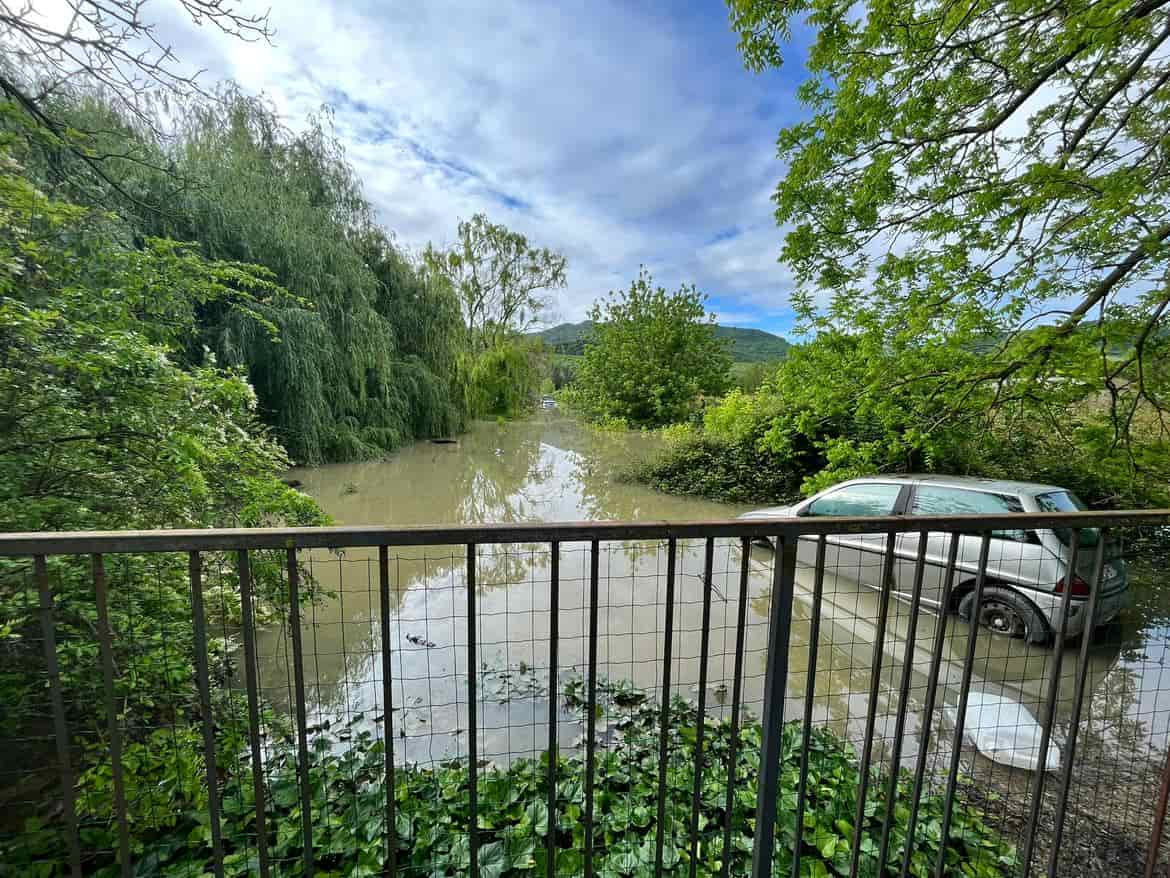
(553, 717)
(810, 691)
(701, 721)
(775, 684)
(106, 648)
(472, 719)
(1049, 718)
(298, 668)
(1070, 744)
(664, 727)
(591, 708)
(388, 711)
(875, 680)
(251, 666)
(928, 707)
(60, 729)
(961, 710)
(199, 621)
(745, 561)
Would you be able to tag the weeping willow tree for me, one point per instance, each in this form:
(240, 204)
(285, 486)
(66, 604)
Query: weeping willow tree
(365, 355)
(367, 361)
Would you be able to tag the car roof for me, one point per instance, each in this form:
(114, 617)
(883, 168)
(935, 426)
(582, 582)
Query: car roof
(1000, 486)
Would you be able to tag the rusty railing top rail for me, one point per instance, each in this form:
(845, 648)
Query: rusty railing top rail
(220, 539)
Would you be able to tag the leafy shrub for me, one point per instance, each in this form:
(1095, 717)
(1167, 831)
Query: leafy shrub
(736, 472)
(843, 406)
(348, 809)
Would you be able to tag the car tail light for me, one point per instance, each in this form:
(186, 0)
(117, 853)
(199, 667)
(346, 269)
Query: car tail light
(1080, 588)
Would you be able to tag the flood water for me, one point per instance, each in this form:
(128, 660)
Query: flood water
(551, 468)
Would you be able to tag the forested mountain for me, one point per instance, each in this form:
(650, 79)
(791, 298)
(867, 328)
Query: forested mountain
(747, 345)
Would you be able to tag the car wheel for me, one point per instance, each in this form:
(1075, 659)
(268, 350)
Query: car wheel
(1006, 613)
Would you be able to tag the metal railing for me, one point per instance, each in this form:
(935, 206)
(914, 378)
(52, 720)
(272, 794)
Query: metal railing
(818, 535)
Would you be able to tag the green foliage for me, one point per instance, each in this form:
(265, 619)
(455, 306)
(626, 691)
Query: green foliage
(989, 220)
(564, 370)
(651, 357)
(107, 424)
(749, 376)
(359, 357)
(821, 419)
(348, 806)
(735, 472)
(500, 278)
(503, 380)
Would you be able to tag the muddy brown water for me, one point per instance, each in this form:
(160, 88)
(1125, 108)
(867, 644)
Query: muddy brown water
(551, 468)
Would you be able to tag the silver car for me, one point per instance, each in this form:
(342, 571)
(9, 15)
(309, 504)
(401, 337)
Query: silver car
(1025, 568)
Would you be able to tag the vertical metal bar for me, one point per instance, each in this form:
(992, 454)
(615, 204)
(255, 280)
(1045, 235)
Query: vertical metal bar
(106, 648)
(875, 681)
(1049, 717)
(553, 715)
(664, 721)
(903, 700)
(1159, 820)
(745, 560)
(775, 683)
(195, 576)
(701, 722)
(1070, 745)
(249, 624)
(810, 690)
(472, 720)
(388, 712)
(591, 709)
(294, 624)
(928, 707)
(961, 718)
(60, 730)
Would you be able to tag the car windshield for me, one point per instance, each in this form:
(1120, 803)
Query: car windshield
(1066, 501)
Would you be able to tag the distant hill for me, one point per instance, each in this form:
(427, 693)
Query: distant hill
(747, 345)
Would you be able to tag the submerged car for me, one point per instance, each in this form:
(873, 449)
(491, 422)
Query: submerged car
(1026, 568)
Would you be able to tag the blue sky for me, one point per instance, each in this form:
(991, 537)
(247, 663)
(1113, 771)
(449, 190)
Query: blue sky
(621, 133)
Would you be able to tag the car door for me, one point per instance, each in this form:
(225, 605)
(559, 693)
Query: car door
(1012, 554)
(857, 556)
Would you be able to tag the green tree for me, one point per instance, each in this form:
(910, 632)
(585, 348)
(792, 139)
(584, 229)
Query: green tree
(984, 178)
(651, 357)
(107, 424)
(503, 380)
(501, 279)
(364, 359)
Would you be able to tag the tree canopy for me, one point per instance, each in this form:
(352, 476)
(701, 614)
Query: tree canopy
(984, 177)
(365, 354)
(651, 356)
(501, 279)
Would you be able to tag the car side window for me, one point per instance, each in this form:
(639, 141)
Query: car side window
(865, 499)
(938, 500)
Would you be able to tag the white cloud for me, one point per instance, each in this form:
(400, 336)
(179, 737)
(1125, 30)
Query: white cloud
(617, 136)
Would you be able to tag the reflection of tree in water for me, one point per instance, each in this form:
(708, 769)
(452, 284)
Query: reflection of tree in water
(495, 484)
(1109, 724)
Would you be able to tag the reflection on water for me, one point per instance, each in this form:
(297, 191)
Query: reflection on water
(552, 469)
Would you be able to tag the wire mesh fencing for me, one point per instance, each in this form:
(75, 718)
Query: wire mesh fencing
(887, 695)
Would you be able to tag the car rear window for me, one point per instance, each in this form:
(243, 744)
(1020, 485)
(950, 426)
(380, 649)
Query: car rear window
(1066, 501)
(942, 500)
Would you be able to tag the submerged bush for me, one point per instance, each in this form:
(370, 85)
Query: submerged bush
(348, 806)
(736, 472)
